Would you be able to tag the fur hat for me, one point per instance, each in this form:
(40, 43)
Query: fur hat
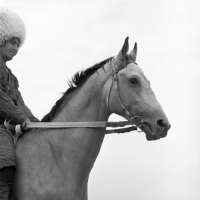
(11, 25)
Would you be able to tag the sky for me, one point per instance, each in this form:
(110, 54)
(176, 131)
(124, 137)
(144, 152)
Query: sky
(65, 36)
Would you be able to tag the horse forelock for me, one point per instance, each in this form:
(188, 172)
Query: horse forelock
(75, 83)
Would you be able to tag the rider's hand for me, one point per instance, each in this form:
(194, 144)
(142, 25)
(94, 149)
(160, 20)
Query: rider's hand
(23, 125)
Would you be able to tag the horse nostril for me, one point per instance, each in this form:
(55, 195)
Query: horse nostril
(161, 124)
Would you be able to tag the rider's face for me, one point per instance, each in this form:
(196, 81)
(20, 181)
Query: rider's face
(9, 49)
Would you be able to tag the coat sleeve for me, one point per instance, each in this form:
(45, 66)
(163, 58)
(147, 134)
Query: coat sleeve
(24, 108)
(9, 110)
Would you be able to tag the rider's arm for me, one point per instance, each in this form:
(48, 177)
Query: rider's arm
(26, 110)
(9, 110)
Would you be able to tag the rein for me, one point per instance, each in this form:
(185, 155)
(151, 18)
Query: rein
(101, 124)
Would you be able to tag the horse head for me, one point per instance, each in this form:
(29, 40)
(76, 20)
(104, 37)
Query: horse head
(132, 96)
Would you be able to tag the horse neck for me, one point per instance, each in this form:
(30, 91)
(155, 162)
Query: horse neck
(88, 103)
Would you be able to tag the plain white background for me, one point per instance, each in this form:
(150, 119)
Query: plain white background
(65, 36)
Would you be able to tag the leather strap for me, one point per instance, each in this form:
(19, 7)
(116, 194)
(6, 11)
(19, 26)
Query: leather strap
(101, 124)
(58, 125)
(77, 124)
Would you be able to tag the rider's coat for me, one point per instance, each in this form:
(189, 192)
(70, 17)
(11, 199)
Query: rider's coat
(11, 103)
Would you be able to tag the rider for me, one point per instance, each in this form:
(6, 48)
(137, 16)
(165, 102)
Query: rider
(12, 106)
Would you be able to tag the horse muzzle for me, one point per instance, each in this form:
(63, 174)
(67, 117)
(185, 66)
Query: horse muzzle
(155, 132)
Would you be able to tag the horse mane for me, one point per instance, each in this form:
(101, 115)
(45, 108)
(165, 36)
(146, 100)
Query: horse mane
(76, 82)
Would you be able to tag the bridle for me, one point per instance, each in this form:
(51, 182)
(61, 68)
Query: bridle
(115, 83)
(98, 124)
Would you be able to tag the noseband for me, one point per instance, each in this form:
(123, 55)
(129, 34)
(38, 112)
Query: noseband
(115, 83)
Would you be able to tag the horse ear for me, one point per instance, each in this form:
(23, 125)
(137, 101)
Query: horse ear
(133, 53)
(122, 54)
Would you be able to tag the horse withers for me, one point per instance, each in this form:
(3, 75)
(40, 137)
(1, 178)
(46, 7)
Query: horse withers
(54, 164)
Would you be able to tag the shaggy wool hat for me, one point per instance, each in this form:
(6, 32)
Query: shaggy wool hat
(11, 25)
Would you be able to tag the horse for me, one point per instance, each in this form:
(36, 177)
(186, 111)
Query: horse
(54, 164)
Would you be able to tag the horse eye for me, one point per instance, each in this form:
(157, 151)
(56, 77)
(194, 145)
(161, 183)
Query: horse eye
(134, 81)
